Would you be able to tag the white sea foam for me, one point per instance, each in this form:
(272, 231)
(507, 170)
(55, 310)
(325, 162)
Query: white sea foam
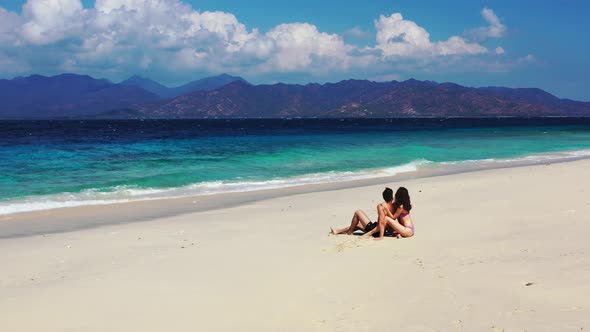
(122, 194)
(47, 203)
(525, 160)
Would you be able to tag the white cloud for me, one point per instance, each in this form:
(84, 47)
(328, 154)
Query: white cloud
(152, 33)
(13, 65)
(398, 37)
(233, 33)
(9, 27)
(357, 32)
(495, 29)
(500, 50)
(48, 21)
(118, 38)
(107, 6)
(457, 46)
(299, 45)
(386, 78)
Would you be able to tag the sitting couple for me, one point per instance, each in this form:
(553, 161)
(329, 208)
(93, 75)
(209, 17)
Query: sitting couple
(394, 217)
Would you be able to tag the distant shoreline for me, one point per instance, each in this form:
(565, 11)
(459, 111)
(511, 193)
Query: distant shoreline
(73, 218)
(303, 118)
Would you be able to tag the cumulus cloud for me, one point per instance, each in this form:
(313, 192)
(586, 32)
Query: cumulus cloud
(398, 37)
(495, 28)
(51, 21)
(151, 33)
(500, 50)
(117, 38)
(298, 45)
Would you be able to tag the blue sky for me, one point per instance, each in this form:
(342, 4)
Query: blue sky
(474, 43)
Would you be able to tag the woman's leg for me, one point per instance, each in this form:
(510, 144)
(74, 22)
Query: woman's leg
(359, 222)
(399, 228)
(387, 222)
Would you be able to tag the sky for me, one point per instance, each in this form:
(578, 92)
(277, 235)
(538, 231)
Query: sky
(474, 43)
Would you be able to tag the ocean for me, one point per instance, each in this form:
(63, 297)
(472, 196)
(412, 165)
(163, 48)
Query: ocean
(51, 164)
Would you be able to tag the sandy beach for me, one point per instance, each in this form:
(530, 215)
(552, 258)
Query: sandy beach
(494, 250)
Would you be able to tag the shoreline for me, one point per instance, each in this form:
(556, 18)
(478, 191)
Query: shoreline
(308, 118)
(67, 219)
(100, 175)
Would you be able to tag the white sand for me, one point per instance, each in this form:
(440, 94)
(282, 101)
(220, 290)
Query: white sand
(271, 266)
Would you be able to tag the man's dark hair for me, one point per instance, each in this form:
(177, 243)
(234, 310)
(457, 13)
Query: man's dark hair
(388, 195)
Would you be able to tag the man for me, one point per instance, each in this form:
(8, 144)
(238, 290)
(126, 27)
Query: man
(360, 220)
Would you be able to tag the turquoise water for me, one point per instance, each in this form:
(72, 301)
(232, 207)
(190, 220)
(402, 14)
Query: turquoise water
(101, 162)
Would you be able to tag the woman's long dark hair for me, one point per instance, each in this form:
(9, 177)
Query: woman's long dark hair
(402, 197)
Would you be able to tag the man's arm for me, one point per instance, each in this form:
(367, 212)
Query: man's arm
(383, 214)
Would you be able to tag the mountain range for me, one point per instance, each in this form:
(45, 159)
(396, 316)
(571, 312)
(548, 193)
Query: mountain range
(70, 96)
(204, 84)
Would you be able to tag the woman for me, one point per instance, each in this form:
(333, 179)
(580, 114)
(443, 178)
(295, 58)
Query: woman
(360, 220)
(400, 222)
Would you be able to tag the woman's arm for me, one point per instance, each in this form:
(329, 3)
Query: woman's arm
(399, 211)
(394, 216)
(382, 210)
